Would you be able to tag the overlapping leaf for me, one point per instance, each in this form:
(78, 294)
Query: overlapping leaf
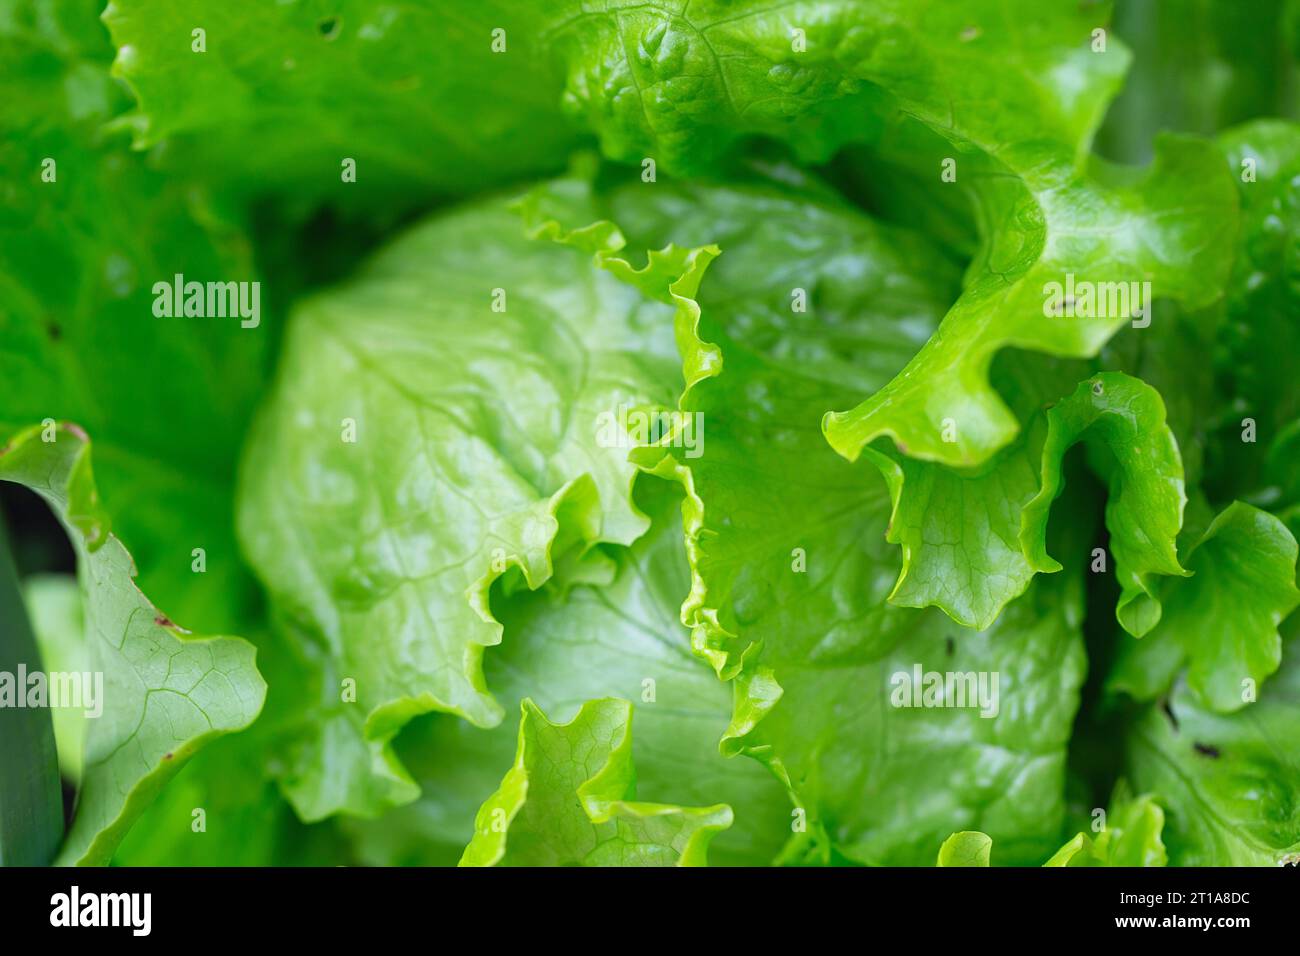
(566, 645)
(462, 408)
(973, 539)
(448, 461)
(569, 800)
(1051, 279)
(684, 84)
(786, 545)
(164, 692)
(1222, 623)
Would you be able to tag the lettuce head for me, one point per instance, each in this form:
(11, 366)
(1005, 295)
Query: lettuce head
(695, 433)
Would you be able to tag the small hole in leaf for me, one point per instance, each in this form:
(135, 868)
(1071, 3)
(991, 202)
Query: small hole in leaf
(329, 27)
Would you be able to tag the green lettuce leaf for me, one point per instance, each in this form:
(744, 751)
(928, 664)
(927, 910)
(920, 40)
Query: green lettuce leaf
(1228, 782)
(1126, 420)
(568, 644)
(852, 762)
(1044, 224)
(1043, 242)
(227, 806)
(222, 808)
(503, 464)
(419, 445)
(238, 783)
(1260, 333)
(361, 80)
(1233, 417)
(685, 86)
(164, 692)
(79, 340)
(972, 539)
(225, 809)
(1130, 837)
(789, 562)
(1222, 622)
(685, 83)
(866, 310)
(967, 848)
(1226, 617)
(891, 173)
(569, 800)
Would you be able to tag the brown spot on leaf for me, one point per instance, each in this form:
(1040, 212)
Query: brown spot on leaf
(162, 620)
(1207, 750)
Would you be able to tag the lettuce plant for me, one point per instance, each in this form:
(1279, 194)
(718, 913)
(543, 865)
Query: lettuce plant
(717, 432)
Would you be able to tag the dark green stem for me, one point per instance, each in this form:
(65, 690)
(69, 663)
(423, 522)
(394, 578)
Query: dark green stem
(31, 802)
